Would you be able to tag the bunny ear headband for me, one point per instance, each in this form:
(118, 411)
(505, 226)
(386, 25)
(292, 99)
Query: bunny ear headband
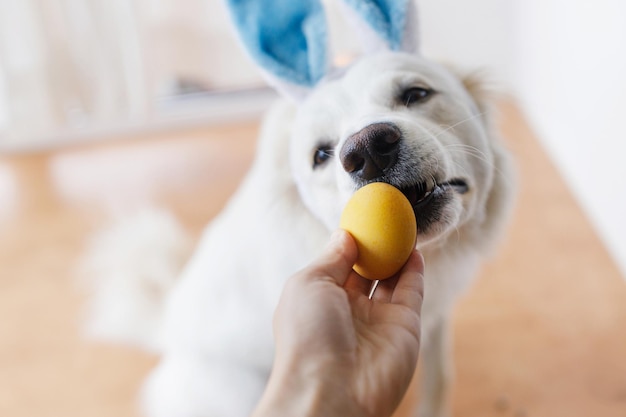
(288, 38)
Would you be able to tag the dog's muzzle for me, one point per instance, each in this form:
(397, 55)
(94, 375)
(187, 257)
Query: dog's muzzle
(371, 152)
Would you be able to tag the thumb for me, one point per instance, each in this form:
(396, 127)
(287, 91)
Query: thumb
(338, 258)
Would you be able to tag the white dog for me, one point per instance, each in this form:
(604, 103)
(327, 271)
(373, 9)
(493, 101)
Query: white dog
(392, 117)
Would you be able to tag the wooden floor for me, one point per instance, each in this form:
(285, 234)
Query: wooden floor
(541, 333)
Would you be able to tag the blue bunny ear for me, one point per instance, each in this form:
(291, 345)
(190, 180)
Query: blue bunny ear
(393, 22)
(286, 38)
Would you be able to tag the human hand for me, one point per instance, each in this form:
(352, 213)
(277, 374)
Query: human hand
(339, 353)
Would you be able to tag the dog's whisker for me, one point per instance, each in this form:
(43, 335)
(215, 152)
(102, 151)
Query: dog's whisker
(458, 233)
(432, 177)
(461, 168)
(464, 146)
(470, 150)
(468, 119)
(473, 151)
(464, 149)
(477, 156)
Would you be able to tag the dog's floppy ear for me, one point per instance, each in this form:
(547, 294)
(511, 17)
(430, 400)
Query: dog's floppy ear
(286, 38)
(384, 24)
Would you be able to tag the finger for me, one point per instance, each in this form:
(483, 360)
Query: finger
(338, 257)
(385, 289)
(409, 289)
(358, 284)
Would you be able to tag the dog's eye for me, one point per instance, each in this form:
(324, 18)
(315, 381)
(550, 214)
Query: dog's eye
(415, 95)
(322, 154)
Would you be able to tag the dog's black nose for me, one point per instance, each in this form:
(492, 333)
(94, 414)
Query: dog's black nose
(371, 151)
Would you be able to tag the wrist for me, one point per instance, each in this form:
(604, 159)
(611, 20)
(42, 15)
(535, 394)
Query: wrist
(294, 391)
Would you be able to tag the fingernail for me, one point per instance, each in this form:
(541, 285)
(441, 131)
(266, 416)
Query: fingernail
(336, 236)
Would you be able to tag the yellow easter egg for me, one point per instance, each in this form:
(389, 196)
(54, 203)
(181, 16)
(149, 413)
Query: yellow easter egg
(382, 222)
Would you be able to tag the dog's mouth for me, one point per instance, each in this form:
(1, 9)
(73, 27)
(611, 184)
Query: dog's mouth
(430, 199)
(422, 193)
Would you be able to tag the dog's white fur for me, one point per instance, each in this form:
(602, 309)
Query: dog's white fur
(218, 341)
(127, 273)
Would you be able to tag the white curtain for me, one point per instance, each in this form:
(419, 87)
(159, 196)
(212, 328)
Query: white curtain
(70, 65)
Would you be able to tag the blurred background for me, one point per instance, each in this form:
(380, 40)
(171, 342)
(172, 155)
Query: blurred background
(110, 105)
(78, 70)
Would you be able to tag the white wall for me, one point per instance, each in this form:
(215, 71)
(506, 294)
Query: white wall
(475, 34)
(574, 90)
(565, 61)
(3, 106)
